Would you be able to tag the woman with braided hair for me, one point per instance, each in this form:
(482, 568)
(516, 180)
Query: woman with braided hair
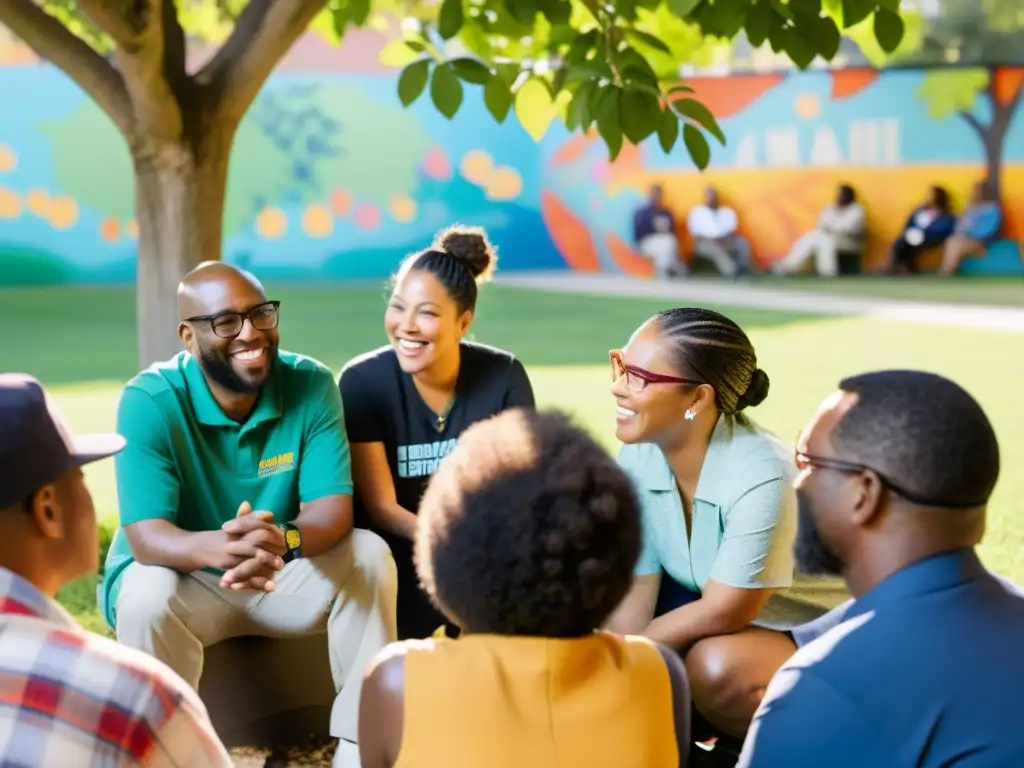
(527, 538)
(719, 512)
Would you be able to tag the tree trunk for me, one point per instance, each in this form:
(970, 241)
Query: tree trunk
(179, 203)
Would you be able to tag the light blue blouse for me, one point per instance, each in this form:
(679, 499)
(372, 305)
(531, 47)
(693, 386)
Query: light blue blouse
(744, 513)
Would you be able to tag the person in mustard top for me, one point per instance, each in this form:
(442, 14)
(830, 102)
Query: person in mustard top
(527, 538)
(716, 578)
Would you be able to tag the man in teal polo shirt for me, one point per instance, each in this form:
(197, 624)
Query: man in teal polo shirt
(235, 498)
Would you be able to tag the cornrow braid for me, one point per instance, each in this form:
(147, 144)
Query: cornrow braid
(712, 348)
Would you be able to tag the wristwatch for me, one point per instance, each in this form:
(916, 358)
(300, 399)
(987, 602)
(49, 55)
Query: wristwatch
(292, 540)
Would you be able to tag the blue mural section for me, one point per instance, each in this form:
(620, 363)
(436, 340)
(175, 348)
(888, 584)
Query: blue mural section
(330, 178)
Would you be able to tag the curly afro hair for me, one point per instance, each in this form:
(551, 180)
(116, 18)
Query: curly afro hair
(528, 528)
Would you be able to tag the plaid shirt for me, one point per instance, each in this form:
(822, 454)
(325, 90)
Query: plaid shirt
(72, 698)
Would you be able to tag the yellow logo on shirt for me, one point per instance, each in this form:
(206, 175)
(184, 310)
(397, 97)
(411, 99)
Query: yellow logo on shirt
(283, 462)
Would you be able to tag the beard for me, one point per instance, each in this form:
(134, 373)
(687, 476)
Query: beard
(217, 365)
(813, 556)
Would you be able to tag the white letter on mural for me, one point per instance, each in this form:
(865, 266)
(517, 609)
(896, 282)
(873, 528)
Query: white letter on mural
(825, 148)
(746, 152)
(782, 147)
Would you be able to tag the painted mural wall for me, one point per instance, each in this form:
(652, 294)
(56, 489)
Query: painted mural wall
(331, 178)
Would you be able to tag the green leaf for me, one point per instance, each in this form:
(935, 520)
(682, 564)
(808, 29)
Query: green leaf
(339, 20)
(647, 39)
(498, 98)
(759, 22)
(556, 11)
(534, 108)
(668, 130)
(777, 35)
(855, 11)
(683, 8)
(697, 146)
(413, 80)
(523, 11)
(639, 113)
(471, 70)
(801, 50)
(679, 89)
(827, 38)
(450, 19)
(724, 18)
(888, 29)
(359, 11)
(806, 7)
(608, 125)
(446, 91)
(579, 115)
(701, 115)
(581, 46)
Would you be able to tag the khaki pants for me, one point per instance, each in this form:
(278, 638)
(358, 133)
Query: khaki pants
(817, 245)
(349, 592)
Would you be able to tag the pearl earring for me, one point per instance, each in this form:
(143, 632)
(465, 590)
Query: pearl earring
(688, 415)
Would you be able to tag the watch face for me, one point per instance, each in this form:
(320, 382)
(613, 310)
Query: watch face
(292, 538)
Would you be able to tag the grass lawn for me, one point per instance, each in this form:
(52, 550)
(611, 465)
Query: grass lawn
(997, 291)
(81, 343)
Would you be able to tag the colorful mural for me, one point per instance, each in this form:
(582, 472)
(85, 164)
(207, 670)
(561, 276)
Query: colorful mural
(331, 178)
(792, 139)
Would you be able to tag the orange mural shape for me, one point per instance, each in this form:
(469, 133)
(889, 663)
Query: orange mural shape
(726, 97)
(1007, 83)
(10, 204)
(628, 260)
(341, 202)
(850, 82)
(110, 230)
(570, 234)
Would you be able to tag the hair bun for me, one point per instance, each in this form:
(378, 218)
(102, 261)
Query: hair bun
(470, 246)
(756, 392)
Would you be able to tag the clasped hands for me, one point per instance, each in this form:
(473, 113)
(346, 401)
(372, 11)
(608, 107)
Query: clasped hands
(252, 551)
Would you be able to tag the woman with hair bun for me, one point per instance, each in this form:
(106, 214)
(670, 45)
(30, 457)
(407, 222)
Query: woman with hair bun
(407, 402)
(719, 511)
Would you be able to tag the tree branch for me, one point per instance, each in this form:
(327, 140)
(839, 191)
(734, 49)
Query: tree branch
(263, 33)
(53, 42)
(105, 15)
(974, 122)
(142, 62)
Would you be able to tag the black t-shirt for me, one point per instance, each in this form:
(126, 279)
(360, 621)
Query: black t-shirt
(382, 405)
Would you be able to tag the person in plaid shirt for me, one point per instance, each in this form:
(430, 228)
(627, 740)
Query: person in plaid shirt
(69, 697)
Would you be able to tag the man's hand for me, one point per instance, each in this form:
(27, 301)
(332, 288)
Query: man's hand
(256, 546)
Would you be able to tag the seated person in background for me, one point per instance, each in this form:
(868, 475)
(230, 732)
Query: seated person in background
(841, 229)
(713, 229)
(72, 698)
(654, 232)
(923, 667)
(233, 424)
(978, 226)
(527, 538)
(927, 227)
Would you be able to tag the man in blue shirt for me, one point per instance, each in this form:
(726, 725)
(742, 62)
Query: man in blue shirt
(654, 232)
(923, 667)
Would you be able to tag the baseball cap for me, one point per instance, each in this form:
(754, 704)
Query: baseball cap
(36, 446)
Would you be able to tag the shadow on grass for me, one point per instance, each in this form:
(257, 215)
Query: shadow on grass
(68, 335)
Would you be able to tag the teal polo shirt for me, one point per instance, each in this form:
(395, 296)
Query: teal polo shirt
(744, 512)
(188, 463)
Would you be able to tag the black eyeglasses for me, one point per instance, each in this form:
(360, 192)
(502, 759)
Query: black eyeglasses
(229, 324)
(806, 460)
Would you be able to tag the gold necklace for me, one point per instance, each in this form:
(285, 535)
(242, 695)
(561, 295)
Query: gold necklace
(442, 418)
